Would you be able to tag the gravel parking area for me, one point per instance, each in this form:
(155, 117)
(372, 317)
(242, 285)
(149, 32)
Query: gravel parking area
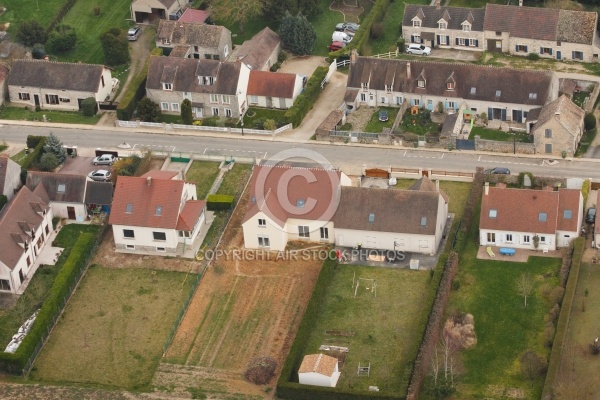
(81, 166)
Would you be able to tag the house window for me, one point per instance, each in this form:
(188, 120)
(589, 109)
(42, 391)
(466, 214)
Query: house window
(450, 85)
(324, 233)
(521, 48)
(398, 100)
(263, 241)
(532, 96)
(443, 24)
(28, 261)
(128, 233)
(24, 96)
(225, 99)
(509, 237)
(491, 237)
(262, 222)
(226, 50)
(452, 105)
(216, 57)
(102, 80)
(64, 100)
(548, 148)
(214, 98)
(493, 213)
(430, 104)
(51, 99)
(548, 133)
(546, 50)
(303, 232)
(197, 112)
(254, 99)
(167, 86)
(568, 214)
(417, 102)
(215, 111)
(558, 43)
(228, 112)
(417, 38)
(175, 106)
(466, 27)
(383, 99)
(526, 239)
(4, 284)
(158, 210)
(421, 84)
(473, 42)
(365, 86)
(130, 247)
(416, 23)
(161, 249)
(363, 97)
(442, 39)
(159, 235)
(423, 221)
(542, 239)
(164, 106)
(461, 41)
(498, 33)
(577, 55)
(129, 208)
(543, 217)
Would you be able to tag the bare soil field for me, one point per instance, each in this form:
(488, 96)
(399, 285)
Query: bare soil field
(241, 310)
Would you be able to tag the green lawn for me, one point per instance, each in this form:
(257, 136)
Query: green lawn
(19, 157)
(324, 25)
(203, 174)
(586, 141)
(114, 13)
(19, 10)
(235, 180)
(457, 194)
(40, 284)
(113, 330)
(377, 126)
(255, 117)
(170, 119)
(419, 124)
(495, 134)
(65, 117)
(381, 325)
(579, 97)
(391, 22)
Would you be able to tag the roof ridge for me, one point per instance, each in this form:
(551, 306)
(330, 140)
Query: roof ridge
(57, 62)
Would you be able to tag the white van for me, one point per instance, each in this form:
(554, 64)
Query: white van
(341, 37)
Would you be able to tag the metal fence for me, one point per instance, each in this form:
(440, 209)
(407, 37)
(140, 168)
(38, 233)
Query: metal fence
(82, 268)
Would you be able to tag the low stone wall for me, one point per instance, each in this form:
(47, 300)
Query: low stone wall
(504, 147)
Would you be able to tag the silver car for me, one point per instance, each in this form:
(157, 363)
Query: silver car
(100, 175)
(418, 49)
(104, 159)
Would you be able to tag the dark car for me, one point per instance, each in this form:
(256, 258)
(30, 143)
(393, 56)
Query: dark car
(497, 171)
(383, 115)
(590, 217)
(336, 46)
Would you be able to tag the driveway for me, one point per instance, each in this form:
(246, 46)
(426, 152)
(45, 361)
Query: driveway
(305, 65)
(81, 166)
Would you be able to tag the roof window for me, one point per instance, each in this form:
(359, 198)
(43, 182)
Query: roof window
(568, 214)
(371, 217)
(129, 208)
(423, 221)
(498, 93)
(61, 188)
(158, 210)
(493, 213)
(300, 203)
(543, 217)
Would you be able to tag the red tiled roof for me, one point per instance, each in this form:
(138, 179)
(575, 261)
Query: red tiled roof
(276, 191)
(190, 214)
(271, 84)
(145, 195)
(194, 16)
(518, 210)
(156, 174)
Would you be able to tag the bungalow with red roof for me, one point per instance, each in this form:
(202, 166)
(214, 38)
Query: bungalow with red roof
(319, 370)
(273, 89)
(25, 225)
(516, 217)
(156, 214)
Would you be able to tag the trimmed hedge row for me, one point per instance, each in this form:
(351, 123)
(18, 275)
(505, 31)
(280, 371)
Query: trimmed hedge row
(135, 91)
(219, 202)
(14, 363)
(67, 5)
(35, 155)
(305, 101)
(33, 141)
(563, 320)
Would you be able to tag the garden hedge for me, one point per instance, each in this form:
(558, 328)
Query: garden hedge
(52, 306)
(135, 91)
(219, 202)
(305, 101)
(34, 156)
(62, 11)
(33, 141)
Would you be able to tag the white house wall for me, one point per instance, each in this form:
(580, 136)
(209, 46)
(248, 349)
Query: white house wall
(12, 179)
(315, 379)
(144, 240)
(277, 235)
(409, 32)
(564, 238)
(242, 88)
(61, 210)
(104, 90)
(517, 239)
(313, 227)
(442, 219)
(425, 244)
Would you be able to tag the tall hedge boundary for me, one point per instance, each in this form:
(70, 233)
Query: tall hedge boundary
(134, 93)
(60, 14)
(219, 202)
(305, 101)
(563, 320)
(34, 156)
(52, 306)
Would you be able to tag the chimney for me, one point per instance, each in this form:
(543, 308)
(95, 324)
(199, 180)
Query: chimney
(487, 188)
(149, 180)
(437, 185)
(520, 3)
(438, 4)
(353, 56)
(408, 70)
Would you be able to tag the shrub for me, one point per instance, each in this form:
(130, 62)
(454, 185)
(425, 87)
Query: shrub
(259, 123)
(96, 10)
(556, 295)
(33, 141)
(377, 30)
(186, 112)
(89, 107)
(533, 56)
(31, 32)
(148, 110)
(3, 201)
(115, 47)
(210, 121)
(62, 39)
(219, 202)
(38, 52)
(35, 155)
(270, 125)
(261, 370)
(548, 336)
(48, 162)
(589, 121)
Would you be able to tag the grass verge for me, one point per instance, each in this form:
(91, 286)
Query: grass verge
(234, 180)
(203, 174)
(65, 117)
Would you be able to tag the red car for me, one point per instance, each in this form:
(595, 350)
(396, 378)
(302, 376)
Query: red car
(336, 46)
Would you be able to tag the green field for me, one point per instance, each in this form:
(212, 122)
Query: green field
(19, 10)
(203, 174)
(113, 329)
(65, 117)
(382, 325)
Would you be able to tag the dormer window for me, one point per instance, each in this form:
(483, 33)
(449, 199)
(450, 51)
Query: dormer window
(388, 88)
(466, 27)
(421, 83)
(450, 85)
(166, 41)
(365, 86)
(416, 23)
(167, 86)
(532, 96)
(443, 25)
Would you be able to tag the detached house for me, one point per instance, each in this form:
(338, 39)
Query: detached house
(146, 11)
(515, 217)
(502, 93)
(10, 176)
(558, 128)
(192, 40)
(65, 192)
(25, 225)
(261, 52)
(54, 85)
(156, 215)
(273, 89)
(215, 88)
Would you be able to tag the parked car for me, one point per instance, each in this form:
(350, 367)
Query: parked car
(341, 37)
(497, 171)
(104, 159)
(134, 33)
(347, 26)
(336, 46)
(383, 115)
(590, 217)
(101, 175)
(418, 49)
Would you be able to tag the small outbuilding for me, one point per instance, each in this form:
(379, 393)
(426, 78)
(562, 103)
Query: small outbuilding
(319, 370)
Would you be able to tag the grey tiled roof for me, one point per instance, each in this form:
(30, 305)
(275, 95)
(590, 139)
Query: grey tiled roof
(190, 34)
(66, 188)
(568, 114)
(55, 75)
(99, 193)
(256, 51)
(457, 15)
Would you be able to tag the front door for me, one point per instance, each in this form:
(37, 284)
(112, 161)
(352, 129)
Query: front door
(21, 277)
(71, 212)
(558, 55)
(36, 99)
(269, 102)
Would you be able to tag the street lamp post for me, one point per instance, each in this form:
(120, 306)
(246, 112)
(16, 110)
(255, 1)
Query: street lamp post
(242, 126)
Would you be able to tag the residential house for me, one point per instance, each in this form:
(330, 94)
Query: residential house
(98, 197)
(54, 85)
(288, 203)
(261, 52)
(3, 78)
(549, 32)
(559, 127)
(64, 192)
(147, 11)
(319, 370)
(10, 176)
(502, 93)
(273, 89)
(191, 40)
(25, 225)
(193, 16)
(444, 27)
(153, 215)
(518, 218)
(215, 88)
(411, 220)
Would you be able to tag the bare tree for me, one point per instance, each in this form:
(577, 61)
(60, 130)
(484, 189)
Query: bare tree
(525, 286)
(238, 11)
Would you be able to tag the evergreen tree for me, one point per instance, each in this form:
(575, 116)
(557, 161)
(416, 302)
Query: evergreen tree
(31, 32)
(186, 112)
(310, 8)
(277, 8)
(55, 146)
(297, 34)
(115, 46)
(148, 111)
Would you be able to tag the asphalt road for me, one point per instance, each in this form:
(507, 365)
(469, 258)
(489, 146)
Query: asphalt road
(349, 158)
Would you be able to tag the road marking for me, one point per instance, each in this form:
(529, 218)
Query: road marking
(251, 153)
(507, 162)
(154, 146)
